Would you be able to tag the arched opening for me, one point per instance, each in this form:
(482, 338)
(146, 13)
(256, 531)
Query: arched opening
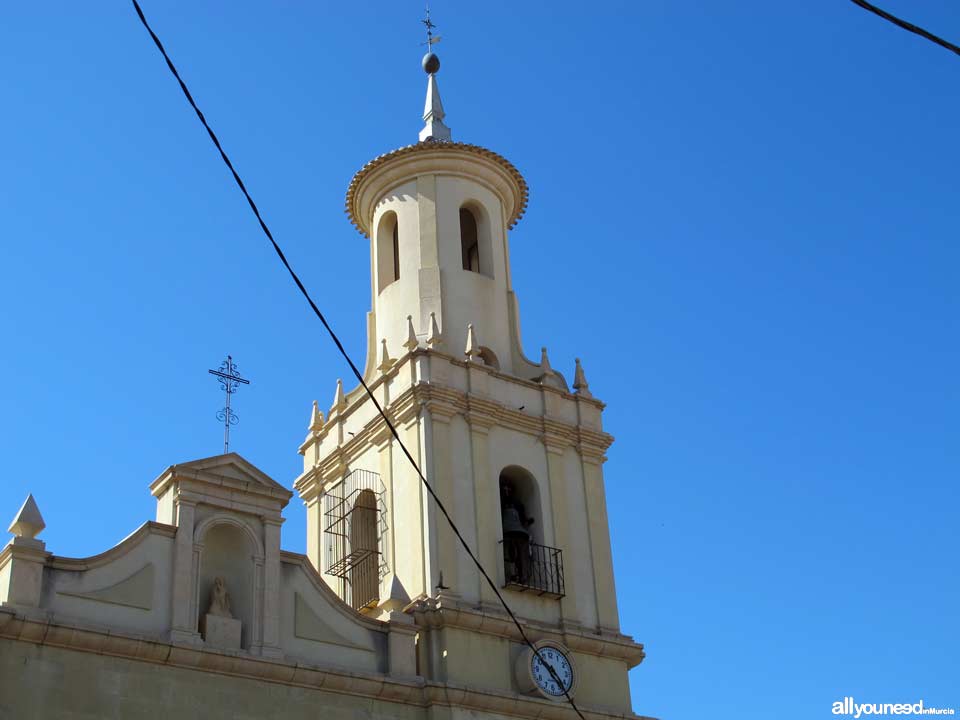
(521, 521)
(388, 250)
(528, 564)
(469, 241)
(228, 554)
(364, 576)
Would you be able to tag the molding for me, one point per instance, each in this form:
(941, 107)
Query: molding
(413, 691)
(123, 547)
(380, 175)
(607, 644)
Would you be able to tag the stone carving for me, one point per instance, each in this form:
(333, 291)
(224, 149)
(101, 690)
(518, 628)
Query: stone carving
(219, 599)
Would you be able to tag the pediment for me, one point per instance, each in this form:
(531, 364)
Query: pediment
(230, 471)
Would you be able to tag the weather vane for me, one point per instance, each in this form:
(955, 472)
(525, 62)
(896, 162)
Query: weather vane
(431, 40)
(230, 381)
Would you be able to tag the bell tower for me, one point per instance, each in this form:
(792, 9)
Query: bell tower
(514, 452)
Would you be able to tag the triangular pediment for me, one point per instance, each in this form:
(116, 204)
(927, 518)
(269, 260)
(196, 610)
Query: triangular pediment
(229, 470)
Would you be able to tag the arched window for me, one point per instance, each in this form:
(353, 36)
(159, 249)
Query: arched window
(388, 250)
(469, 240)
(365, 572)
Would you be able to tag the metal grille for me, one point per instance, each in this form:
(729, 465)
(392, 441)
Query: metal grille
(355, 523)
(544, 575)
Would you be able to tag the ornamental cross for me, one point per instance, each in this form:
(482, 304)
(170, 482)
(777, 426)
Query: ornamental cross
(431, 39)
(230, 380)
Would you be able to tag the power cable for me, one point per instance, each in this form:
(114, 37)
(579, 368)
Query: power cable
(343, 352)
(909, 27)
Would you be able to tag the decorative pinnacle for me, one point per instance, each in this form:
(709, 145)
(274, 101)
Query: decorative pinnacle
(339, 403)
(29, 522)
(580, 382)
(472, 351)
(386, 362)
(412, 343)
(316, 418)
(545, 362)
(434, 338)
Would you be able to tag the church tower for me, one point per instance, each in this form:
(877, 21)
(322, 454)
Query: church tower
(514, 453)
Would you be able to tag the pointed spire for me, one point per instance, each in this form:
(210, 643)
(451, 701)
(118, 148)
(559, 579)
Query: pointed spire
(434, 338)
(412, 343)
(339, 403)
(545, 362)
(29, 522)
(433, 114)
(316, 418)
(386, 362)
(472, 351)
(580, 382)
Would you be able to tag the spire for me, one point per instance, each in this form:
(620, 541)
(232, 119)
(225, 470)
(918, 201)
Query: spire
(29, 522)
(580, 382)
(433, 114)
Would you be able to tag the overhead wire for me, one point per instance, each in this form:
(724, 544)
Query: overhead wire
(908, 26)
(356, 372)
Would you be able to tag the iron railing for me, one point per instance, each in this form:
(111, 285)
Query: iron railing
(542, 574)
(355, 523)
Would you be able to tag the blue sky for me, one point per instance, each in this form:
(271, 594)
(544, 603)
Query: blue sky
(743, 218)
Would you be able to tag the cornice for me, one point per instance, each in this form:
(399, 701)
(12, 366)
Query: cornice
(433, 614)
(120, 549)
(432, 157)
(415, 691)
(481, 412)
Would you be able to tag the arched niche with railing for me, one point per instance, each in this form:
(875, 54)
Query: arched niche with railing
(528, 564)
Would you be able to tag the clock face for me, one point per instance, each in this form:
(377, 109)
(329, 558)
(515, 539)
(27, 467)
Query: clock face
(561, 666)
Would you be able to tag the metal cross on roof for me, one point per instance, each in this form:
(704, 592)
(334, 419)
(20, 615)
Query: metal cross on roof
(230, 381)
(431, 40)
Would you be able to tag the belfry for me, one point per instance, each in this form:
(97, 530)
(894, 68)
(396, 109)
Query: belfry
(387, 614)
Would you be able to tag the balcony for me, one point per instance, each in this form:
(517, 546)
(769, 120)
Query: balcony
(542, 573)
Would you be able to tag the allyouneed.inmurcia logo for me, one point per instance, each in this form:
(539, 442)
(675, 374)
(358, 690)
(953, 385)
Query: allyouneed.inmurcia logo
(847, 706)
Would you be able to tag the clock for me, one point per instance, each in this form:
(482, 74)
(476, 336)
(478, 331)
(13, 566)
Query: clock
(533, 675)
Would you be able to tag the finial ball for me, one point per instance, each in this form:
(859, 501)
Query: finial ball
(431, 63)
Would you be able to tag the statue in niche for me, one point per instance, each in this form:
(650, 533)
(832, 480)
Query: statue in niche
(219, 599)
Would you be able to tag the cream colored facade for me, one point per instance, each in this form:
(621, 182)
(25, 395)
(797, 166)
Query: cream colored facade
(136, 631)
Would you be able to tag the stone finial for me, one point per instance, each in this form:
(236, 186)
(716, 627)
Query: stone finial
(316, 418)
(412, 343)
(386, 362)
(29, 522)
(580, 382)
(339, 402)
(434, 338)
(472, 351)
(545, 362)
